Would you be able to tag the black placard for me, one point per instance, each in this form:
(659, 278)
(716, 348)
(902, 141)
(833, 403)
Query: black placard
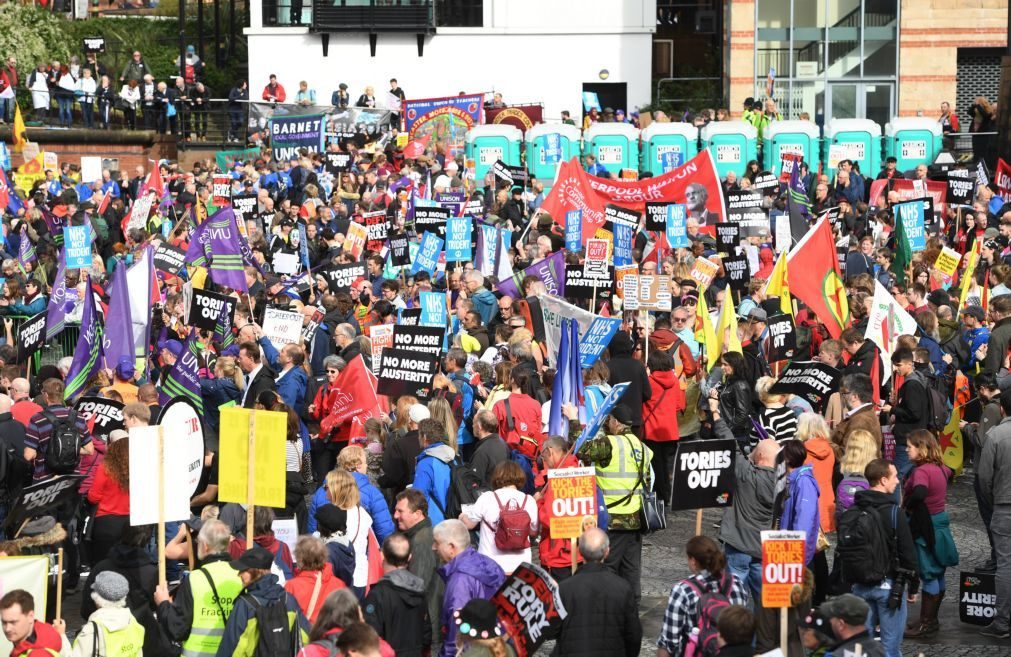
(31, 336)
(810, 379)
(419, 338)
(511, 174)
(961, 185)
(41, 498)
(93, 44)
(409, 317)
(767, 182)
(400, 252)
(619, 215)
(728, 237)
(738, 271)
(105, 415)
(309, 330)
(406, 372)
(431, 220)
(656, 216)
(703, 474)
(244, 205)
(578, 286)
(977, 598)
(340, 277)
(267, 219)
(207, 307)
(782, 338)
(745, 208)
(337, 163)
(169, 259)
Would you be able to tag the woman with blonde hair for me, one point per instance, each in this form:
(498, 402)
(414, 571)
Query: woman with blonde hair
(226, 386)
(353, 461)
(442, 412)
(774, 420)
(402, 417)
(861, 449)
(502, 387)
(341, 490)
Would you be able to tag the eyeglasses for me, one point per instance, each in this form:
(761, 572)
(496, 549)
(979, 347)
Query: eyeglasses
(689, 302)
(679, 320)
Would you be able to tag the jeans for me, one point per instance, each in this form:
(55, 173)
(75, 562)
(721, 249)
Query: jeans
(1000, 525)
(66, 105)
(902, 462)
(748, 569)
(892, 621)
(88, 113)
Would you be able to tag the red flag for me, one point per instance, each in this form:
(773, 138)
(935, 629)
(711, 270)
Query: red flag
(813, 269)
(356, 396)
(1003, 178)
(154, 181)
(416, 148)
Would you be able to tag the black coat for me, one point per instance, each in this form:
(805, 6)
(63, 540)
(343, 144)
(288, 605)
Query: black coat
(626, 368)
(399, 461)
(489, 452)
(912, 408)
(602, 617)
(396, 608)
(264, 380)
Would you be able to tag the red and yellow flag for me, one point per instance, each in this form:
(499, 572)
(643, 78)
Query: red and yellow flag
(814, 276)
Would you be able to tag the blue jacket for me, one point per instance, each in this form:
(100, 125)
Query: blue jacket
(976, 338)
(800, 510)
(32, 308)
(936, 354)
(291, 386)
(486, 304)
(470, 575)
(432, 477)
(216, 392)
(113, 186)
(463, 435)
(372, 501)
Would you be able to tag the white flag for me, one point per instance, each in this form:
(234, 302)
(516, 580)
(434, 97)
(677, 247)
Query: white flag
(888, 320)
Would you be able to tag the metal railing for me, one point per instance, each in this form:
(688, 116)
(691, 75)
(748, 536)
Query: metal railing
(61, 346)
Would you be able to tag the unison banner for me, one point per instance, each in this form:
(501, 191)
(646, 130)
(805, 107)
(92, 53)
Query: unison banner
(291, 133)
(445, 120)
(523, 117)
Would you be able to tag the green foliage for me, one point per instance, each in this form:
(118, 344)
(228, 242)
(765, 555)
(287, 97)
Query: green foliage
(31, 34)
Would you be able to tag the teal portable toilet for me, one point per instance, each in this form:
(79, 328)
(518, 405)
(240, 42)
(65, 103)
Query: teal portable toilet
(732, 143)
(681, 140)
(854, 139)
(800, 137)
(537, 138)
(615, 145)
(487, 144)
(912, 141)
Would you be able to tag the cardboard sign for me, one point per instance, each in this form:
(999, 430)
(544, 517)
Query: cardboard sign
(574, 501)
(595, 340)
(677, 226)
(947, 261)
(529, 608)
(400, 250)
(703, 272)
(286, 531)
(728, 237)
(77, 246)
(782, 338)
(376, 227)
(782, 566)
(419, 338)
(285, 263)
(207, 307)
(579, 286)
(622, 216)
(703, 474)
(812, 380)
(282, 327)
(406, 372)
(340, 277)
(41, 498)
(354, 242)
(269, 435)
(103, 415)
(745, 208)
(738, 272)
(655, 292)
(221, 191)
(656, 216)
(628, 288)
(149, 477)
(31, 336)
(961, 187)
(431, 220)
(977, 598)
(574, 230)
(30, 574)
(169, 259)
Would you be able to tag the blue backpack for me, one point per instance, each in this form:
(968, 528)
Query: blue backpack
(342, 560)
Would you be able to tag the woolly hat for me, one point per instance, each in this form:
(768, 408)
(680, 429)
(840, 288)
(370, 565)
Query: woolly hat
(111, 586)
(478, 619)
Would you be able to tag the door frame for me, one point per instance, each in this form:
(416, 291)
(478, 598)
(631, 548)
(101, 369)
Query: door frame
(861, 85)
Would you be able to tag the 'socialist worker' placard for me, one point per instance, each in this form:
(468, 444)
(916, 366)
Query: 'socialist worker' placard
(782, 566)
(574, 499)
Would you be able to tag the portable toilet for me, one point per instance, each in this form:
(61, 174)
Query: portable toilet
(799, 137)
(732, 143)
(537, 138)
(853, 139)
(486, 144)
(912, 141)
(615, 145)
(680, 140)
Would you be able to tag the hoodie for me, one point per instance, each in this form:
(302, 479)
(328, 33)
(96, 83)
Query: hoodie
(112, 619)
(821, 458)
(281, 551)
(660, 411)
(486, 305)
(241, 631)
(469, 575)
(432, 477)
(38, 644)
(396, 608)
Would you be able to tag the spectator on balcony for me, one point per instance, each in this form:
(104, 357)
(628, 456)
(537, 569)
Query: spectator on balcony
(10, 72)
(66, 85)
(182, 103)
(106, 96)
(396, 91)
(305, 97)
(274, 92)
(200, 97)
(149, 102)
(136, 69)
(340, 99)
(96, 67)
(237, 99)
(495, 102)
(86, 88)
(129, 97)
(948, 120)
(367, 99)
(6, 96)
(194, 66)
(166, 108)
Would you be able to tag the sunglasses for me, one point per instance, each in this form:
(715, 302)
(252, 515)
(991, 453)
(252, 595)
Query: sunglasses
(689, 302)
(679, 320)
(333, 371)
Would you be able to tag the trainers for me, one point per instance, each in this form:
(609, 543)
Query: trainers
(992, 630)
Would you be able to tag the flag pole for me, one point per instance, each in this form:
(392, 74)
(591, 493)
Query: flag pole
(250, 474)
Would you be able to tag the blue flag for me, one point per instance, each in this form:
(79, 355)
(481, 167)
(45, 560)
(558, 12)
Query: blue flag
(593, 425)
(568, 386)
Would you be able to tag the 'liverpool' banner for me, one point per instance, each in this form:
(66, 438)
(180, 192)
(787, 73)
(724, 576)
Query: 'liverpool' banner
(523, 117)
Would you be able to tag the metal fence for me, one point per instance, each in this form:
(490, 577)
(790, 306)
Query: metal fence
(61, 346)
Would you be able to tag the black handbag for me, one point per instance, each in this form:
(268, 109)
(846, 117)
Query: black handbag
(652, 515)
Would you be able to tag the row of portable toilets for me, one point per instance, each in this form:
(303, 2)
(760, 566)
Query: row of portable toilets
(662, 146)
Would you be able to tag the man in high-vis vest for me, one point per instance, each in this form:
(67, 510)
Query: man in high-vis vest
(623, 474)
(204, 599)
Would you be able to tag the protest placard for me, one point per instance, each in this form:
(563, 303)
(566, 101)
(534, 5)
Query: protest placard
(702, 272)
(77, 246)
(947, 261)
(282, 327)
(31, 574)
(629, 286)
(812, 380)
(376, 227)
(336, 163)
(728, 238)
(419, 338)
(184, 429)
(595, 264)
(244, 206)
(431, 219)
(381, 337)
(400, 251)
(782, 231)
(961, 185)
(221, 190)
(579, 286)
(207, 307)
(789, 159)
(738, 271)
(623, 216)
(782, 566)
(155, 469)
(41, 498)
(406, 372)
(619, 277)
(574, 230)
(31, 336)
(284, 263)
(623, 239)
(169, 259)
(744, 207)
(264, 477)
(677, 226)
(354, 241)
(656, 216)
(848, 151)
(433, 308)
(595, 340)
(459, 231)
(529, 608)
(655, 292)
(409, 317)
(703, 474)
(782, 338)
(574, 500)
(91, 168)
(340, 277)
(427, 257)
(103, 415)
(977, 597)
(767, 182)
(912, 215)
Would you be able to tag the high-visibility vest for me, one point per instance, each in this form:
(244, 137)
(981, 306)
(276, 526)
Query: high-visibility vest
(210, 612)
(126, 642)
(621, 475)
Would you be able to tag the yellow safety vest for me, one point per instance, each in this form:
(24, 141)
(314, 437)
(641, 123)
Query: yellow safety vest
(210, 613)
(126, 642)
(621, 475)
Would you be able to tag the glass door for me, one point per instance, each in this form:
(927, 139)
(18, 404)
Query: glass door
(843, 101)
(861, 100)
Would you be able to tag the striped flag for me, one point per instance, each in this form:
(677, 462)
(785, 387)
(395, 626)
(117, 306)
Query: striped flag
(26, 251)
(56, 313)
(216, 245)
(89, 344)
(183, 380)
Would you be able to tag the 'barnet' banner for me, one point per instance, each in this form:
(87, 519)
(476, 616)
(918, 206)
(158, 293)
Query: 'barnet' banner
(290, 133)
(445, 120)
(523, 117)
(577, 190)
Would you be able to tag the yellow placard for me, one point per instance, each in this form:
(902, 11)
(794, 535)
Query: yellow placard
(573, 501)
(402, 140)
(947, 261)
(268, 469)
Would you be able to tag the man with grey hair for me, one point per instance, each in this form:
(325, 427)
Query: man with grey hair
(203, 601)
(490, 449)
(64, 365)
(484, 301)
(596, 592)
(344, 336)
(467, 573)
(696, 197)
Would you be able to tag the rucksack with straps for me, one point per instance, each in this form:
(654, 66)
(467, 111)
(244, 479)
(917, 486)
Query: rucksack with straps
(710, 605)
(15, 471)
(63, 451)
(515, 455)
(465, 486)
(865, 553)
(846, 492)
(275, 635)
(937, 401)
(512, 533)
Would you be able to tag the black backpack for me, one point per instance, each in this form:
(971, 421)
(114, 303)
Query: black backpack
(865, 552)
(464, 488)
(276, 636)
(937, 400)
(63, 451)
(15, 471)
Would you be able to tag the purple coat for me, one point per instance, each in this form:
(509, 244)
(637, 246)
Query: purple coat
(470, 575)
(800, 511)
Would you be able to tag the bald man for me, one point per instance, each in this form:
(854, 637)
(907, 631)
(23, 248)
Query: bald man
(24, 408)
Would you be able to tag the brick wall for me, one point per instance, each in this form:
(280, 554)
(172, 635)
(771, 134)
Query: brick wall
(132, 149)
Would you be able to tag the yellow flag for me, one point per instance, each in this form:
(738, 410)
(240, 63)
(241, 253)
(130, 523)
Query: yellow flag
(726, 333)
(967, 275)
(779, 285)
(20, 139)
(705, 333)
(951, 442)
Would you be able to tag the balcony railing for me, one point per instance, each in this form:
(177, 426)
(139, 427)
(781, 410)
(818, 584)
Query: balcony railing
(373, 16)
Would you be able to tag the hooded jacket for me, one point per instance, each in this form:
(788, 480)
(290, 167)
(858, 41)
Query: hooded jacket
(821, 458)
(432, 477)
(371, 499)
(43, 638)
(470, 575)
(396, 608)
(625, 368)
(486, 304)
(303, 584)
(753, 502)
(800, 510)
(241, 630)
(113, 619)
(660, 411)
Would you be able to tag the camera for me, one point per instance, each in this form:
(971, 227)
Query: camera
(899, 582)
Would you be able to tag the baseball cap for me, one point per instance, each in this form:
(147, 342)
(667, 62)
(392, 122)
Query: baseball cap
(938, 297)
(622, 413)
(849, 608)
(259, 558)
(174, 346)
(418, 413)
(974, 311)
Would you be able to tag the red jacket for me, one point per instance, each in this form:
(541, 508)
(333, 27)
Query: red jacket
(38, 644)
(660, 411)
(302, 584)
(324, 401)
(280, 550)
(110, 497)
(527, 434)
(320, 650)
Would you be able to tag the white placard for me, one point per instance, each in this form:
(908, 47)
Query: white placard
(286, 531)
(91, 168)
(184, 432)
(285, 263)
(282, 327)
(146, 478)
(784, 235)
(140, 211)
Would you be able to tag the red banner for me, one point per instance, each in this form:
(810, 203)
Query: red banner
(1003, 178)
(356, 396)
(937, 190)
(577, 190)
(523, 117)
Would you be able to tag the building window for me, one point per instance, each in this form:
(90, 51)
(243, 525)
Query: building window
(459, 13)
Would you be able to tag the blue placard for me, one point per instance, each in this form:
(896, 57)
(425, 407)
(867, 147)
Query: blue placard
(427, 258)
(574, 230)
(670, 160)
(433, 308)
(911, 215)
(597, 421)
(77, 243)
(677, 228)
(5, 157)
(623, 234)
(596, 339)
(590, 101)
(458, 235)
(552, 148)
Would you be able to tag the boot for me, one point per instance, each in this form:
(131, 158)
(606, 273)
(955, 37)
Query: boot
(928, 625)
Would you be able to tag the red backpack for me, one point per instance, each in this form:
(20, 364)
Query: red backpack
(704, 643)
(512, 533)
